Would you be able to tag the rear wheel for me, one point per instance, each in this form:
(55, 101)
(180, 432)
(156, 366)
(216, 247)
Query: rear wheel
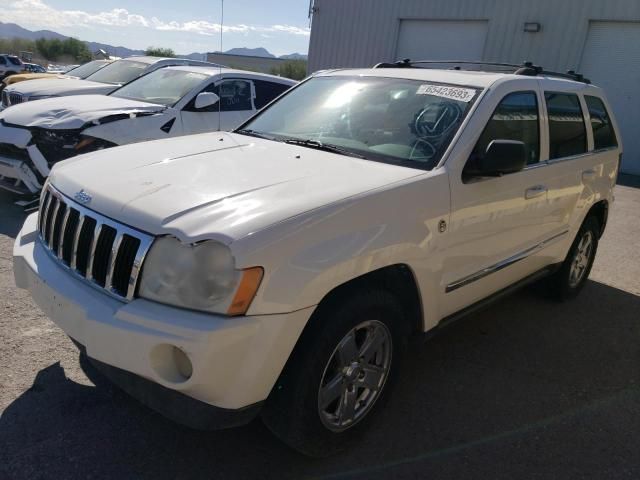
(573, 274)
(339, 373)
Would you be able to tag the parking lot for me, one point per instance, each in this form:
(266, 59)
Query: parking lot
(528, 388)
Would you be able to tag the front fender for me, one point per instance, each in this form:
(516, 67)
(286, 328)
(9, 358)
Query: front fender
(137, 129)
(308, 256)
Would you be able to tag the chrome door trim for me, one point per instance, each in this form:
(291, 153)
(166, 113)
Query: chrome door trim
(503, 264)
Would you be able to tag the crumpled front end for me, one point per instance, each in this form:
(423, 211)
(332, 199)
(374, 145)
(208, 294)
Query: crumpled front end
(28, 154)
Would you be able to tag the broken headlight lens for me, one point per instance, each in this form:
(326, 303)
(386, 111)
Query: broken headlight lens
(199, 277)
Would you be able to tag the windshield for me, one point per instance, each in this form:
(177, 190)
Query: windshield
(162, 86)
(398, 121)
(83, 71)
(119, 72)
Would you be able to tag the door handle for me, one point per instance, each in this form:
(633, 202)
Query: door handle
(535, 192)
(589, 175)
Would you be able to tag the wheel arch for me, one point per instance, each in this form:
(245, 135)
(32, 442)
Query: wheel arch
(398, 279)
(600, 210)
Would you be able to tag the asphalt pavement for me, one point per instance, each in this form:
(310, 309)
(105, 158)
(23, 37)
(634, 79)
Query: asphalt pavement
(528, 388)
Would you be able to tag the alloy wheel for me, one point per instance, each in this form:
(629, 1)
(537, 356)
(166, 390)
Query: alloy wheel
(355, 375)
(581, 259)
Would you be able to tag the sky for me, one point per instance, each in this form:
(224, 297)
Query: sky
(186, 26)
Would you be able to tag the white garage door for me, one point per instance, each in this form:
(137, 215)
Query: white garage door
(611, 59)
(441, 40)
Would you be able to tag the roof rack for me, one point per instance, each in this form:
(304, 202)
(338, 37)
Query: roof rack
(526, 69)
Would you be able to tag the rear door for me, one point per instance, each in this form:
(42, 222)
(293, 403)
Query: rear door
(583, 153)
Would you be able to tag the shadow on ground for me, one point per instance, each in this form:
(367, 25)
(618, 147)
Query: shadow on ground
(627, 180)
(526, 386)
(11, 216)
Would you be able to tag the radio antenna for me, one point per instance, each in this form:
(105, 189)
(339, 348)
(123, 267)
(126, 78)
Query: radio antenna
(221, 80)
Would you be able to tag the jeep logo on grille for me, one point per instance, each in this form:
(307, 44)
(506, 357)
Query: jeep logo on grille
(82, 197)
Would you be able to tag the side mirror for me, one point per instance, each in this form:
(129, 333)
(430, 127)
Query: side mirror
(501, 158)
(206, 99)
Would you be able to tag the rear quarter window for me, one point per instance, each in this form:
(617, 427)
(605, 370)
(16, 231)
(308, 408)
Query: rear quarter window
(604, 135)
(567, 130)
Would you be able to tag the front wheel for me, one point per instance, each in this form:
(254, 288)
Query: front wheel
(339, 373)
(572, 276)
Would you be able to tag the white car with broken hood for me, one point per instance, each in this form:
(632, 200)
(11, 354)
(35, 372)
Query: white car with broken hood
(168, 102)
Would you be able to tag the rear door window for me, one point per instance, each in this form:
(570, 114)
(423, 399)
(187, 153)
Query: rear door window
(603, 134)
(267, 91)
(567, 130)
(515, 118)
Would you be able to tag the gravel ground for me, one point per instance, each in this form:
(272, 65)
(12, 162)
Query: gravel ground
(526, 389)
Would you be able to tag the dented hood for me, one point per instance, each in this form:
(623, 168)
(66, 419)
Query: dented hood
(74, 112)
(60, 87)
(217, 185)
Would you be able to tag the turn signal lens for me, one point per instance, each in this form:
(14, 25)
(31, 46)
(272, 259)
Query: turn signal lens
(247, 289)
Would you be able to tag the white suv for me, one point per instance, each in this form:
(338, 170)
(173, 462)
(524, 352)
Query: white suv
(10, 65)
(282, 268)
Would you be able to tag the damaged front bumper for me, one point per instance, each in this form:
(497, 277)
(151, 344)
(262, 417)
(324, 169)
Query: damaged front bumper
(23, 168)
(23, 165)
(17, 177)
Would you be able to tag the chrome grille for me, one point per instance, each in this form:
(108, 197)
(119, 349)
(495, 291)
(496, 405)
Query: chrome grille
(9, 98)
(103, 252)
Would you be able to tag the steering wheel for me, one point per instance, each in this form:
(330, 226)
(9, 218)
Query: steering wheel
(436, 120)
(423, 146)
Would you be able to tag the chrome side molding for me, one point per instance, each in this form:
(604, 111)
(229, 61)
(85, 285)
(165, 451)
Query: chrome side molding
(503, 264)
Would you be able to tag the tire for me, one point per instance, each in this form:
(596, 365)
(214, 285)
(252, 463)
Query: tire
(567, 282)
(303, 409)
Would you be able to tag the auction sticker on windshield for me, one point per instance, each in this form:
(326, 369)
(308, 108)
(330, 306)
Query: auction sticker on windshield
(453, 93)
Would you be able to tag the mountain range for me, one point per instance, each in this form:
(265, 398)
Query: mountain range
(11, 30)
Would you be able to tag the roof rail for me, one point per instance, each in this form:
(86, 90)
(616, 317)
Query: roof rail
(526, 68)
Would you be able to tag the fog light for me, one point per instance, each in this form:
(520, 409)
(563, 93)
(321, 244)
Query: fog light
(183, 364)
(171, 363)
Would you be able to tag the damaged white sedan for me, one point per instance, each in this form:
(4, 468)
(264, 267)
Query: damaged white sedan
(168, 102)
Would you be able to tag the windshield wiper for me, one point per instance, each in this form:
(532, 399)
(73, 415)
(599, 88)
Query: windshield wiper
(253, 133)
(326, 147)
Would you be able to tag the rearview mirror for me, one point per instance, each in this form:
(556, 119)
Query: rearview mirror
(206, 99)
(501, 158)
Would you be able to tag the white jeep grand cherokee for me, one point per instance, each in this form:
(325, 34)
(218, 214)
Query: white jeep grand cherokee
(281, 269)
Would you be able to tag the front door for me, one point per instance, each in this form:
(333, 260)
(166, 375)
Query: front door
(497, 223)
(235, 106)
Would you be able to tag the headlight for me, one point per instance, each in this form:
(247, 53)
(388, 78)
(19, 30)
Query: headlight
(198, 277)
